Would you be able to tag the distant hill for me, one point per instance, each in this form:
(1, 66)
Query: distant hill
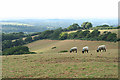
(39, 25)
(8, 27)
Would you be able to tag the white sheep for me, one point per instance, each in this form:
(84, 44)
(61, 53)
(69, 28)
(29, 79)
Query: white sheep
(73, 49)
(85, 49)
(101, 47)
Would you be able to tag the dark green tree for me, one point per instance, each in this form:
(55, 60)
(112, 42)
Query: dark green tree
(74, 26)
(63, 36)
(72, 35)
(16, 50)
(18, 42)
(108, 36)
(83, 34)
(94, 33)
(86, 25)
(7, 44)
(56, 33)
(112, 37)
(118, 27)
(47, 34)
(28, 39)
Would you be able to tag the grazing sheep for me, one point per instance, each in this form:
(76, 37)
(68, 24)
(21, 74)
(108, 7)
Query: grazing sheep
(73, 49)
(85, 49)
(102, 47)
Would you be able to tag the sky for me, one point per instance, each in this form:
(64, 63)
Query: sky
(58, 9)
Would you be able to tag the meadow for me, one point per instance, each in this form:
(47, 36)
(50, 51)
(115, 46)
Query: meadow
(48, 63)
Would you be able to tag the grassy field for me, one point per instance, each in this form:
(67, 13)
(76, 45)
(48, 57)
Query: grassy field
(48, 63)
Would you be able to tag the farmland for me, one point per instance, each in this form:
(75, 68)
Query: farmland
(48, 63)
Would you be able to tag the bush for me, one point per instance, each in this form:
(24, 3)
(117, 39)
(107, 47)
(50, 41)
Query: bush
(17, 51)
(53, 47)
(118, 39)
(41, 53)
(63, 51)
(63, 36)
(108, 36)
(28, 39)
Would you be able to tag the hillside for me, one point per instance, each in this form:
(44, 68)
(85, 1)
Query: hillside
(8, 27)
(46, 45)
(48, 63)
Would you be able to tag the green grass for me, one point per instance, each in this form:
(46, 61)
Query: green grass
(49, 64)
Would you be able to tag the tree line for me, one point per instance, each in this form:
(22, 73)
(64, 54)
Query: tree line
(87, 35)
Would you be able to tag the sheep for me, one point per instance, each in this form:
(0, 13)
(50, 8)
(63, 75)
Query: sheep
(73, 49)
(101, 47)
(85, 49)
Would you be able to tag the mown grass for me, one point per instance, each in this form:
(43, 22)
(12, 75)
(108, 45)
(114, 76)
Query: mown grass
(51, 64)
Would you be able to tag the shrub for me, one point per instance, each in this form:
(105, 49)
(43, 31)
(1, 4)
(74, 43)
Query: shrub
(53, 47)
(17, 50)
(63, 36)
(63, 51)
(41, 53)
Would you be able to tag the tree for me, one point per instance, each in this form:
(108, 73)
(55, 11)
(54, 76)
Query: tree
(104, 35)
(18, 42)
(118, 27)
(6, 44)
(47, 34)
(105, 25)
(56, 33)
(72, 35)
(108, 36)
(83, 34)
(16, 50)
(36, 38)
(74, 26)
(86, 25)
(63, 36)
(28, 39)
(65, 29)
(94, 33)
(79, 31)
(12, 36)
(112, 37)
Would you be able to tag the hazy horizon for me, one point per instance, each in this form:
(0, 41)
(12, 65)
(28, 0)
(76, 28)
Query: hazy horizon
(7, 19)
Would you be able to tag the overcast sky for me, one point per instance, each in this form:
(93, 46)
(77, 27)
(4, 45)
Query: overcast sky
(70, 9)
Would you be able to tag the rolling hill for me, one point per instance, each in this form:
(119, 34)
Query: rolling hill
(46, 45)
(20, 27)
(48, 63)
